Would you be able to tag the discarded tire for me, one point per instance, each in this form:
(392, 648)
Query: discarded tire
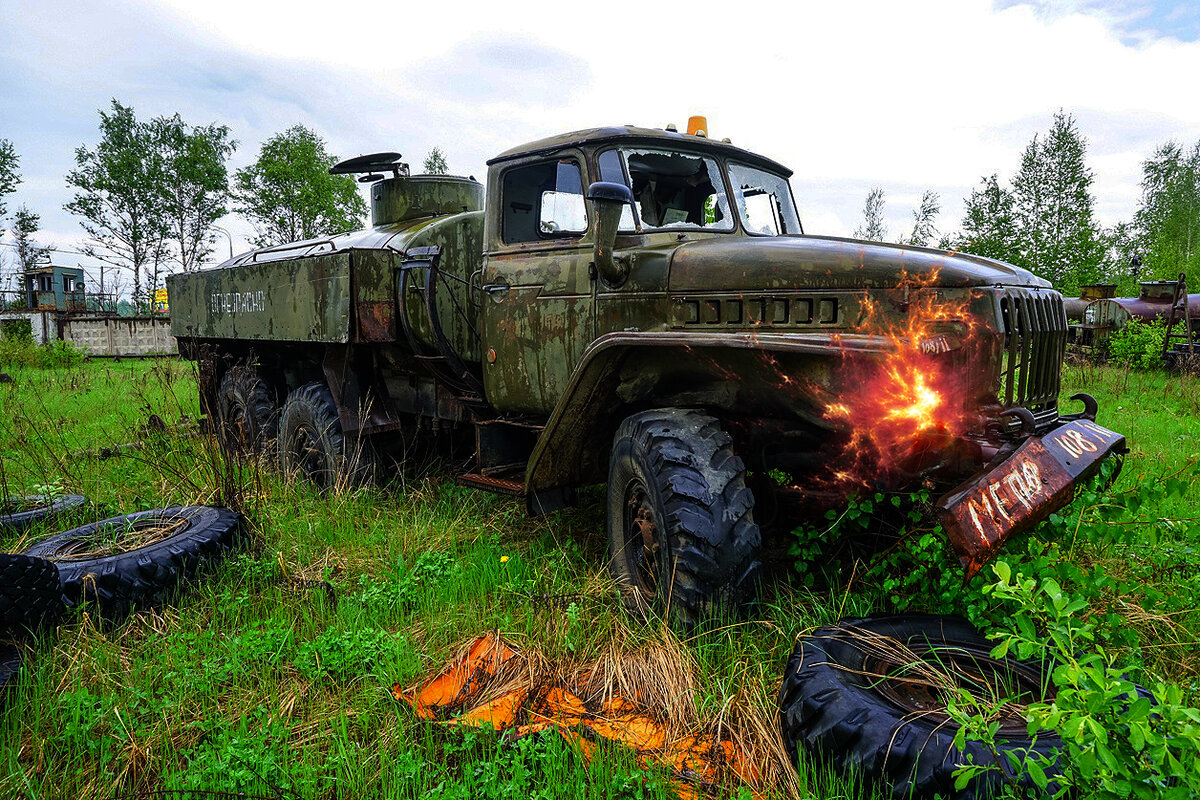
(681, 532)
(11, 660)
(864, 694)
(247, 414)
(29, 592)
(311, 442)
(18, 513)
(138, 559)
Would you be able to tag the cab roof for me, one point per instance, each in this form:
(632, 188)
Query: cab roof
(645, 136)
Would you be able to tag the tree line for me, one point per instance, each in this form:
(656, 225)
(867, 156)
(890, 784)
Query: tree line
(1044, 220)
(150, 193)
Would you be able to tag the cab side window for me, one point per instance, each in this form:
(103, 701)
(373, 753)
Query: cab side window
(543, 201)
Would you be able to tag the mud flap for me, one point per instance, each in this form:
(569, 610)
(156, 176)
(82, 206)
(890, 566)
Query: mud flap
(1026, 488)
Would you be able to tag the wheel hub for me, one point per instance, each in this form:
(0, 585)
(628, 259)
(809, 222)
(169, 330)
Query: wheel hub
(922, 685)
(641, 537)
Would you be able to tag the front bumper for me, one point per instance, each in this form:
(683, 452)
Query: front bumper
(1025, 487)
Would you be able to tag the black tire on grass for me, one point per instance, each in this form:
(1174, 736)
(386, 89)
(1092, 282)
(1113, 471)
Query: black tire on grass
(143, 576)
(682, 538)
(836, 704)
(247, 413)
(30, 593)
(11, 660)
(312, 445)
(44, 507)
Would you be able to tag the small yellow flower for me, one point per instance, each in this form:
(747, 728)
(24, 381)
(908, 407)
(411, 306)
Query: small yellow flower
(503, 559)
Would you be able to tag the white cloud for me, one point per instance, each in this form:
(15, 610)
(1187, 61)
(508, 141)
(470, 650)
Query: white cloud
(907, 96)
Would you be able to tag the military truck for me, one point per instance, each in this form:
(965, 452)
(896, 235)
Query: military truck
(641, 307)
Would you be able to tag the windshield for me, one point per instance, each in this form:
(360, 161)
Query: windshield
(677, 190)
(765, 201)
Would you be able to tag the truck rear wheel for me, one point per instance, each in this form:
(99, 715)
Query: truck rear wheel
(311, 442)
(682, 538)
(247, 414)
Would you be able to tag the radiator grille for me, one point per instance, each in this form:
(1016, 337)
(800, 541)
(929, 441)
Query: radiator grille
(1035, 336)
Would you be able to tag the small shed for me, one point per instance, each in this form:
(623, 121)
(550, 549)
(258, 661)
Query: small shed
(54, 288)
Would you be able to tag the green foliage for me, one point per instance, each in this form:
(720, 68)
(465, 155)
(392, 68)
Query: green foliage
(10, 175)
(18, 331)
(911, 567)
(245, 758)
(21, 351)
(924, 231)
(193, 186)
(1168, 219)
(25, 224)
(1057, 235)
(872, 228)
(989, 226)
(1118, 742)
(1139, 344)
(401, 589)
(149, 193)
(435, 163)
(347, 654)
(289, 195)
(117, 196)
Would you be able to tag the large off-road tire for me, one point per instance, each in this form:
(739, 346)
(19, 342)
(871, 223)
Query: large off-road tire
(311, 442)
(852, 695)
(29, 592)
(681, 532)
(11, 659)
(247, 414)
(36, 509)
(149, 555)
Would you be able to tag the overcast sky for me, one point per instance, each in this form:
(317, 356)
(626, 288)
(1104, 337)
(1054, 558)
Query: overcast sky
(928, 94)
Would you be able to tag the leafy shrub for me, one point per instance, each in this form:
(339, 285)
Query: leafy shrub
(23, 352)
(1139, 344)
(1118, 741)
(17, 330)
(346, 654)
(251, 757)
(402, 589)
(919, 571)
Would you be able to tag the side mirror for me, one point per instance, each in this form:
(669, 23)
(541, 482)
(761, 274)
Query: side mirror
(607, 200)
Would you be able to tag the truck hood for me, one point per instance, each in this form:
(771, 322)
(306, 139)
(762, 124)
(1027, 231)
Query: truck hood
(825, 262)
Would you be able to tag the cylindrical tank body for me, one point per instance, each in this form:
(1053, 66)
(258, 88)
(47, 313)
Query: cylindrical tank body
(400, 199)
(1075, 306)
(1154, 302)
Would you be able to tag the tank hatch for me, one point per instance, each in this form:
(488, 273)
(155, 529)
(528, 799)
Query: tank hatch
(403, 196)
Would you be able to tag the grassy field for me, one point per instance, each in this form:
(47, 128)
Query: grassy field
(273, 677)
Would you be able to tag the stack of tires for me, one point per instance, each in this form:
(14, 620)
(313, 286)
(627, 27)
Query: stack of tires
(117, 564)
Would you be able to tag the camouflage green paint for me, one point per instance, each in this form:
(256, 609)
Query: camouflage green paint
(400, 199)
(298, 300)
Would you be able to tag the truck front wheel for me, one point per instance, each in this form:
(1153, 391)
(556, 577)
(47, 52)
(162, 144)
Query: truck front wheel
(311, 442)
(681, 531)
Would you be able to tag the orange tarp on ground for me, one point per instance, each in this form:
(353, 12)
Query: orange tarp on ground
(489, 685)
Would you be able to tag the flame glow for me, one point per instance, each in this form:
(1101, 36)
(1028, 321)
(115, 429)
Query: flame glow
(906, 410)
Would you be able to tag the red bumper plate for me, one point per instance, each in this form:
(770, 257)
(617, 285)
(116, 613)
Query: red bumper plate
(1032, 483)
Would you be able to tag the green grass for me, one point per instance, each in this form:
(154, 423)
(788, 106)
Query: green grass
(259, 679)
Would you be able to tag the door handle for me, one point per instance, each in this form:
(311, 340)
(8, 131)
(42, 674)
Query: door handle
(494, 289)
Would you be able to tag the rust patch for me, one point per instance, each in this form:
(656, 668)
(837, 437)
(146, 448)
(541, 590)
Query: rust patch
(376, 320)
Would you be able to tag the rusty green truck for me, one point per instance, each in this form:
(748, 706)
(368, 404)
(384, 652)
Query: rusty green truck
(641, 307)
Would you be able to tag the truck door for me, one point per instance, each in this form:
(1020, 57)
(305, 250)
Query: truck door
(537, 304)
